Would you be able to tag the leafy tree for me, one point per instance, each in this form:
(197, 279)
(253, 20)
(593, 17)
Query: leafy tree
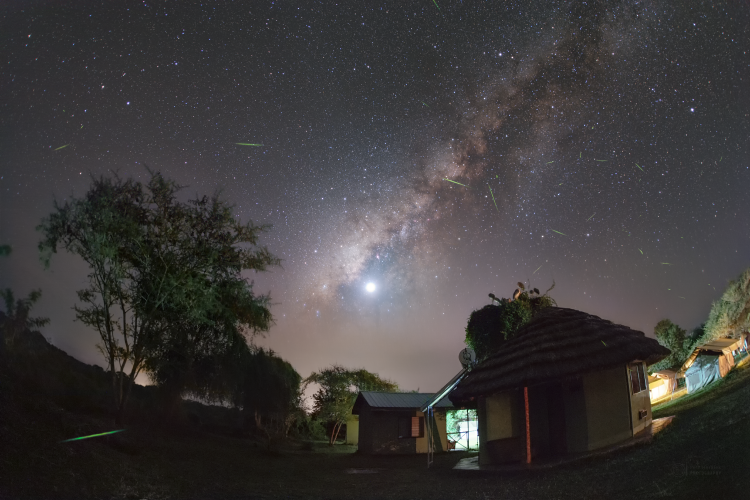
(489, 327)
(103, 229)
(334, 400)
(268, 389)
(730, 315)
(212, 308)
(165, 284)
(17, 319)
(674, 338)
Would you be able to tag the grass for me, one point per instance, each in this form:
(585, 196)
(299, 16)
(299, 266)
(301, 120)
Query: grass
(703, 453)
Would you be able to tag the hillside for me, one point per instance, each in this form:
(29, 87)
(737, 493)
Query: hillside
(47, 396)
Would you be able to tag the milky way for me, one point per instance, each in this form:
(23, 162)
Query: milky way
(438, 154)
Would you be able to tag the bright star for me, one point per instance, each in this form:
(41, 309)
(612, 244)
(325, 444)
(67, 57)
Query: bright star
(370, 287)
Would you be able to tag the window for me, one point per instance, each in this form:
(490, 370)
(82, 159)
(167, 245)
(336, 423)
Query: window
(638, 378)
(410, 427)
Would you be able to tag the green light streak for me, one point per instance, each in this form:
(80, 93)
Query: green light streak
(666, 264)
(436, 5)
(553, 161)
(538, 268)
(424, 103)
(640, 167)
(454, 182)
(591, 216)
(602, 160)
(91, 436)
(640, 251)
(248, 144)
(61, 147)
(558, 232)
(493, 198)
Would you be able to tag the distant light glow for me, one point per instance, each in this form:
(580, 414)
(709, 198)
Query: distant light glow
(370, 287)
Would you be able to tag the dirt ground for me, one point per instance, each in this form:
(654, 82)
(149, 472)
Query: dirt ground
(703, 453)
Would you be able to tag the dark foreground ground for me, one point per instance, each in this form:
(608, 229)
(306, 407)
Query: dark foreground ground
(704, 454)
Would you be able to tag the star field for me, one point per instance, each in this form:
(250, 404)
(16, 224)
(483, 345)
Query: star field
(437, 154)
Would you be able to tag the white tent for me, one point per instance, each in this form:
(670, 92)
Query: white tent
(704, 370)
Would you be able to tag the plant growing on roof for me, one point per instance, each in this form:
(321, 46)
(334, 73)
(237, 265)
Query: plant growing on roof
(489, 327)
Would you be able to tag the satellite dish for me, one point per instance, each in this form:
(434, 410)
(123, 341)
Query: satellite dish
(467, 357)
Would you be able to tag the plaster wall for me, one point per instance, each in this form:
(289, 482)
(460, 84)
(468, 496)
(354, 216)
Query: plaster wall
(607, 407)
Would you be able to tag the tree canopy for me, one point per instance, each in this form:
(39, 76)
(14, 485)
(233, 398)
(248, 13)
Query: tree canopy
(338, 389)
(489, 327)
(674, 338)
(730, 315)
(166, 292)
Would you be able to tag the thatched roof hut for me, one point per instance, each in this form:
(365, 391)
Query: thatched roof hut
(569, 382)
(559, 343)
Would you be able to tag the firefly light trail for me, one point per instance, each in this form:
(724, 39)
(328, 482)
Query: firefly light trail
(91, 436)
(493, 198)
(454, 182)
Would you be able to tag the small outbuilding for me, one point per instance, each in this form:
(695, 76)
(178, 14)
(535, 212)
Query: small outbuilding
(664, 384)
(392, 423)
(568, 382)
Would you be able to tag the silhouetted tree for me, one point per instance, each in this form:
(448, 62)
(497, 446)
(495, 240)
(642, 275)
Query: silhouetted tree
(165, 283)
(17, 319)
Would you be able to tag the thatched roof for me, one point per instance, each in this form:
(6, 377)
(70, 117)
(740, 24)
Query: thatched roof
(559, 343)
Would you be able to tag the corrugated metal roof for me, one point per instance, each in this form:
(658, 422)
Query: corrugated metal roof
(396, 400)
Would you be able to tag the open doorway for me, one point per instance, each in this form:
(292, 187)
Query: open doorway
(462, 427)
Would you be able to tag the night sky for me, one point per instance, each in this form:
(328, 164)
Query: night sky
(600, 145)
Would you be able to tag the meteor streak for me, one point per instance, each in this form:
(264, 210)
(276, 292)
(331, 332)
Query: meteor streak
(247, 144)
(61, 147)
(591, 216)
(558, 232)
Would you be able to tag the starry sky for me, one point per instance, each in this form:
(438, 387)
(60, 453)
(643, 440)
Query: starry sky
(437, 151)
